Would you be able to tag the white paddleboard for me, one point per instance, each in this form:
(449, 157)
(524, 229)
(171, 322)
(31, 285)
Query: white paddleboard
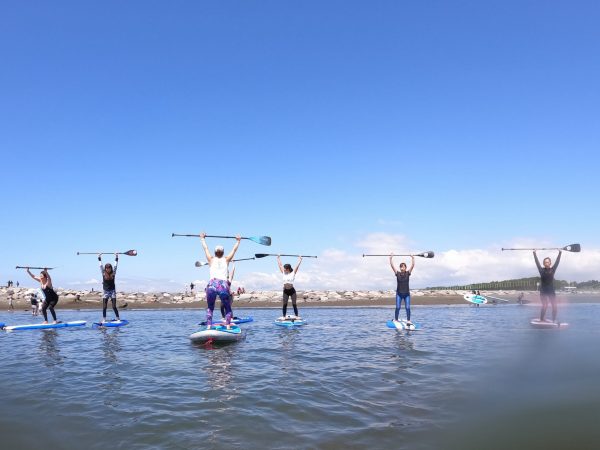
(41, 326)
(289, 321)
(403, 325)
(217, 333)
(475, 299)
(547, 324)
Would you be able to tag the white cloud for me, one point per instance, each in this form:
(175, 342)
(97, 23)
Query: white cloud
(338, 269)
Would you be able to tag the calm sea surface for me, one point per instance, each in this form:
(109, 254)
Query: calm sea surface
(472, 378)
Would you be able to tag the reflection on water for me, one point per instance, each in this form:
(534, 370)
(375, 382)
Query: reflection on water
(218, 370)
(112, 382)
(49, 348)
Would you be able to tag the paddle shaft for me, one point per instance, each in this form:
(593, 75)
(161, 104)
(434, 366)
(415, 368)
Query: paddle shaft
(35, 268)
(263, 255)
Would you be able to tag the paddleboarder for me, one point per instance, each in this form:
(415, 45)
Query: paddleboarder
(109, 290)
(547, 293)
(289, 275)
(402, 287)
(218, 284)
(51, 297)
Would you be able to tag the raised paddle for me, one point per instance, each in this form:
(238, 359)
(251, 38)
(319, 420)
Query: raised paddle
(263, 255)
(201, 263)
(263, 240)
(429, 254)
(128, 253)
(35, 268)
(575, 248)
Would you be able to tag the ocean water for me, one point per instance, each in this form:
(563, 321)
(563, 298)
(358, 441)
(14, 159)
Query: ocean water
(472, 378)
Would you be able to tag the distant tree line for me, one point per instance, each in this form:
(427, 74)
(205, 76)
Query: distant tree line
(518, 284)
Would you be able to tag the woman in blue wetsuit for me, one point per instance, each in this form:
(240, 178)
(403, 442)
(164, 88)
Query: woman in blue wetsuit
(402, 287)
(547, 293)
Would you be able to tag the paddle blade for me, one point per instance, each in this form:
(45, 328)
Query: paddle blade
(261, 255)
(200, 264)
(575, 248)
(429, 254)
(262, 240)
(131, 253)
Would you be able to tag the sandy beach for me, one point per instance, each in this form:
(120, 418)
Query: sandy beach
(70, 299)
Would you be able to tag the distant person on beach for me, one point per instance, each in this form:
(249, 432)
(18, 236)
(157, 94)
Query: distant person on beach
(218, 285)
(402, 287)
(289, 276)
(50, 296)
(108, 287)
(547, 293)
(192, 288)
(520, 298)
(34, 303)
(11, 306)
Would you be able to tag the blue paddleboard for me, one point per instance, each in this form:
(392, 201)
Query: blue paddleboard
(110, 324)
(402, 325)
(217, 333)
(290, 321)
(41, 326)
(235, 321)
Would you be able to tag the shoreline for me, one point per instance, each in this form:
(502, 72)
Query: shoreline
(89, 300)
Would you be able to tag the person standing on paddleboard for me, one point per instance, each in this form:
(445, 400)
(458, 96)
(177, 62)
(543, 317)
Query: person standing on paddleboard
(229, 281)
(547, 293)
(108, 286)
(50, 296)
(402, 288)
(289, 275)
(219, 279)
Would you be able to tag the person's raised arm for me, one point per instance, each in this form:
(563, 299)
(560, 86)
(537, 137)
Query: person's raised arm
(298, 266)
(205, 247)
(48, 277)
(557, 260)
(412, 264)
(279, 263)
(234, 249)
(33, 276)
(116, 263)
(392, 263)
(537, 261)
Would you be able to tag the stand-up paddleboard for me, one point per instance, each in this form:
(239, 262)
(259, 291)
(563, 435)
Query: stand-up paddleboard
(290, 321)
(41, 326)
(217, 333)
(403, 325)
(547, 324)
(235, 321)
(110, 324)
(475, 299)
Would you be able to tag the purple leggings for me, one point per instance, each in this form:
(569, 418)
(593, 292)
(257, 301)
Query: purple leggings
(218, 288)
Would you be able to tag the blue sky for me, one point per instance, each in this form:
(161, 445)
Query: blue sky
(331, 126)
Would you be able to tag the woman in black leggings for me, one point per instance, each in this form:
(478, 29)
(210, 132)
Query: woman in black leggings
(289, 275)
(50, 296)
(547, 294)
